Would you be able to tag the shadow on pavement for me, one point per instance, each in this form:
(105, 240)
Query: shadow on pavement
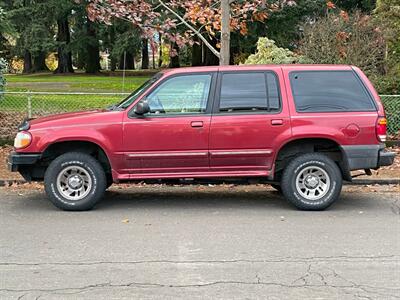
(116, 199)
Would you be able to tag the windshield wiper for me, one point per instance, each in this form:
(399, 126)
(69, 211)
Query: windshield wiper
(113, 107)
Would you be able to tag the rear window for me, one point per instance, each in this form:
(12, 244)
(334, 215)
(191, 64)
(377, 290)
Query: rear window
(252, 91)
(329, 91)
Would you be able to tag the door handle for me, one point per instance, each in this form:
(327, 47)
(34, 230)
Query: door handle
(277, 122)
(197, 124)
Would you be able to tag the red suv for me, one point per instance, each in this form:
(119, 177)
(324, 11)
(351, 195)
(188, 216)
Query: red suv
(303, 128)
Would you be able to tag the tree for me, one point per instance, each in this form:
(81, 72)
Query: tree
(213, 19)
(62, 10)
(284, 26)
(123, 42)
(3, 67)
(339, 38)
(145, 54)
(33, 41)
(366, 6)
(63, 40)
(387, 14)
(6, 30)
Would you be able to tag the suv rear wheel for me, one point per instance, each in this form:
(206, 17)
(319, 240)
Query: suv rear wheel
(75, 181)
(311, 181)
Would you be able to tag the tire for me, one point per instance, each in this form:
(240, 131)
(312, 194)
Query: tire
(75, 181)
(311, 182)
(109, 180)
(277, 187)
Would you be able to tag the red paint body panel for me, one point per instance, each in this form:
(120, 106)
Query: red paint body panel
(206, 145)
(168, 144)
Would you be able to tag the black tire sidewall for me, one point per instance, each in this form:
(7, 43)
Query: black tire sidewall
(95, 172)
(296, 166)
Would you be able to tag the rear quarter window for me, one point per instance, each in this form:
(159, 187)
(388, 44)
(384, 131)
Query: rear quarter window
(329, 91)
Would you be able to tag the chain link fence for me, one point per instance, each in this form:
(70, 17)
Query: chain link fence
(392, 109)
(16, 106)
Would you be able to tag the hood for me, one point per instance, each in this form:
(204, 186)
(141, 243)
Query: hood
(73, 118)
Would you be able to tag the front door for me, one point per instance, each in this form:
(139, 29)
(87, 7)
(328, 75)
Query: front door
(171, 140)
(248, 122)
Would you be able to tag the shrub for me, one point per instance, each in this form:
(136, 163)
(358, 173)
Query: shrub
(269, 53)
(339, 38)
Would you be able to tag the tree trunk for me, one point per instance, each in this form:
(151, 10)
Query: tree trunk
(160, 52)
(113, 60)
(145, 54)
(113, 64)
(39, 62)
(92, 49)
(197, 57)
(130, 61)
(174, 60)
(225, 33)
(80, 59)
(27, 62)
(63, 39)
(121, 64)
(210, 59)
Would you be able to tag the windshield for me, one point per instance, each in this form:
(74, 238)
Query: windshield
(124, 104)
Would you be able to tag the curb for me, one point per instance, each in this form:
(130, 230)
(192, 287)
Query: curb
(8, 182)
(374, 181)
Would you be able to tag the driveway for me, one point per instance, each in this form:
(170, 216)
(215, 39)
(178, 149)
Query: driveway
(193, 242)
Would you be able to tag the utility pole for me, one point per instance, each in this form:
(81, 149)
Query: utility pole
(225, 33)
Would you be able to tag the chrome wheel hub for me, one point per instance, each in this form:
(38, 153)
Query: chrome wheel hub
(313, 183)
(74, 183)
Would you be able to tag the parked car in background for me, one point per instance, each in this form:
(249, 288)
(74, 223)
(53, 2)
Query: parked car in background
(302, 128)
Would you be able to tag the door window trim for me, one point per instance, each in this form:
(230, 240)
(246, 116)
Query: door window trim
(210, 99)
(215, 110)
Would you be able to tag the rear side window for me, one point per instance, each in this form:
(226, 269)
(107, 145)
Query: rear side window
(257, 91)
(329, 91)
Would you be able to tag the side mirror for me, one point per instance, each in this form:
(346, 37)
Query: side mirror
(142, 107)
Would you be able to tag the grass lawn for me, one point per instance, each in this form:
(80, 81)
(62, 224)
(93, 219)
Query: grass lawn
(54, 103)
(78, 82)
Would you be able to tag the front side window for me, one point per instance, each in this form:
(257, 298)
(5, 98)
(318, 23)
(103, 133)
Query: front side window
(124, 104)
(186, 94)
(257, 91)
(329, 91)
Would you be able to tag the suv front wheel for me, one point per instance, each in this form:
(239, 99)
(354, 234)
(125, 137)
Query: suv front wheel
(75, 181)
(311, 181)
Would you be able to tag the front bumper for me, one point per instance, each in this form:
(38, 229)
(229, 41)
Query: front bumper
(17, 160)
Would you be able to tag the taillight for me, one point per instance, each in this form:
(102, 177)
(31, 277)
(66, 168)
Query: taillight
(381, 129)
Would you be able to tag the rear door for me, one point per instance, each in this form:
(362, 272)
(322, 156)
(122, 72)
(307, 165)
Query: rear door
(250, 118)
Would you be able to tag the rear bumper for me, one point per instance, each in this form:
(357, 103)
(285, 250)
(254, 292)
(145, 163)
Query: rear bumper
(385, 158)
(17, 160)
(367, 157)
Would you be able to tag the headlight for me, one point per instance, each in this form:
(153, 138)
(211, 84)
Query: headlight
(22, 140)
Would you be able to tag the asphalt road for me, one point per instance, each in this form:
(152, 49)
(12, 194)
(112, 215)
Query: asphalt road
(203, 242)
